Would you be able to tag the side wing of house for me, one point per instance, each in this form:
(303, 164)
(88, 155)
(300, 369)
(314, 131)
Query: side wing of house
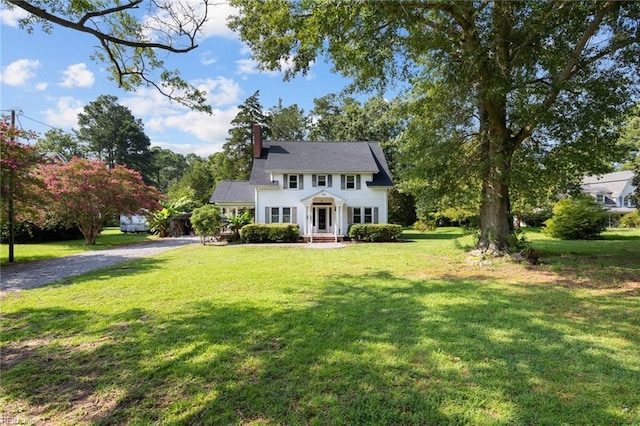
(233, 197)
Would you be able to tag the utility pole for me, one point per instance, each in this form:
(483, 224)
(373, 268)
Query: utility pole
(12, 187)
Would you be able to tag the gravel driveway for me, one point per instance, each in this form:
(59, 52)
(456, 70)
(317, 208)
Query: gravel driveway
(22, 276)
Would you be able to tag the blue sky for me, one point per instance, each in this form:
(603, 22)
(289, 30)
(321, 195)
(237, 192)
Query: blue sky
(49, 78)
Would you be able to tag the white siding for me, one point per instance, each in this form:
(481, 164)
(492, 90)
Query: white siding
(363, 197)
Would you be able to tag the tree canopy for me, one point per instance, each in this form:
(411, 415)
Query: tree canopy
(130, 38)
(114, 135)
(501, 97)
(17, 160)
(86, 193)
(235, 160)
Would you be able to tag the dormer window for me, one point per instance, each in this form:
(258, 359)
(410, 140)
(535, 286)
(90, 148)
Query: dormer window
(600, 198)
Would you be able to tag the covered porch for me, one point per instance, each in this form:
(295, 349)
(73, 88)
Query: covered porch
(323, 218)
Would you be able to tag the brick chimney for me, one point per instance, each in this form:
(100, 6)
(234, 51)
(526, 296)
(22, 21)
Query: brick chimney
(257, 140)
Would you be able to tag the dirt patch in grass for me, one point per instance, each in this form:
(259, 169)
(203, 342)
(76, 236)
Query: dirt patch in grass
(60, 398)
(621, 278)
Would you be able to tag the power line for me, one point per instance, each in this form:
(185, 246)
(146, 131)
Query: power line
(20, 113)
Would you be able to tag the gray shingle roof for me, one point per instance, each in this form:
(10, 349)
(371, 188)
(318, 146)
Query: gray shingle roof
(233, 192)
(321, 157)
(613, 183)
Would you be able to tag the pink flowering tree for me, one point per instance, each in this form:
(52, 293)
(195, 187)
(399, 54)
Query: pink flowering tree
(85, 193)
(17, 160)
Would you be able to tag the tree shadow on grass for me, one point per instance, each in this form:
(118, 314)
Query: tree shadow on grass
(367, 349)
(415, 235)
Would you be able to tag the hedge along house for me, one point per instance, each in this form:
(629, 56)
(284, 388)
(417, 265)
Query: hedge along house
(322, 186)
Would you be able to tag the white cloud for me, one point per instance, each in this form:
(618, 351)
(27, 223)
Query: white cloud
(77, 75)
(217, 21)
(11, 17)
(209, 128)
(208, 132)
(206, 58)
(65, 113)
(203, 150)
(151, 105)
(19, 72)
(250, 66)
(42, 86)
(247, 66)
(214, 26)
(220, 91)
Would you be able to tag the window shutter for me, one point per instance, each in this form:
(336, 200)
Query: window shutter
(300, 181)
(375, 215)
(350, 213)
(267, 215)
(285, 185)
(314, 180)
(294, 215)
(329, 181)
(357, 181)
(343, 179)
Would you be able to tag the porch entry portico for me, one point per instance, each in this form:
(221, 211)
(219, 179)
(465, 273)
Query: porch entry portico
(323, 216)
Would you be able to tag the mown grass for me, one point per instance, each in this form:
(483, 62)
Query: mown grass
(108, 238)
(402, 333)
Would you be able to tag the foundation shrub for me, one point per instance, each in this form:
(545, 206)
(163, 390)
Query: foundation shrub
(270, 233)
(375, 232)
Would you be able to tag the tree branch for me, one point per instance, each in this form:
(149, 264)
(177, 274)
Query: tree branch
(572, 67)
(131, 5)
(81, 27)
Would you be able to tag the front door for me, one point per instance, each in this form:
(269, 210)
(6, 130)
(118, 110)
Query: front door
(322, 219)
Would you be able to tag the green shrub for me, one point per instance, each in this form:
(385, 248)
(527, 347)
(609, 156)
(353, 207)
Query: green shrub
(206, 221)
(577, 218)
(270, 233)
(631, 220)
(375, 232)
(422, 226)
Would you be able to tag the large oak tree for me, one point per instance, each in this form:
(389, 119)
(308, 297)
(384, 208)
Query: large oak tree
(502, 93)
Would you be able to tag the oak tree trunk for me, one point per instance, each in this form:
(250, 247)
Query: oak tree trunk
(497, 149)
(495, 223)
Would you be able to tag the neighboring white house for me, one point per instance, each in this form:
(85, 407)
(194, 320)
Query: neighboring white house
(613, 190)
(322, 186)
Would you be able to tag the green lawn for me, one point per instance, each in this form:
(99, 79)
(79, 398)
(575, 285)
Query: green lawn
(400, 333)
(108, 238)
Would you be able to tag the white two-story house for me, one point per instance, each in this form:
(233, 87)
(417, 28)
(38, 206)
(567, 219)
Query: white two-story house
(322, 186)
(613, 190)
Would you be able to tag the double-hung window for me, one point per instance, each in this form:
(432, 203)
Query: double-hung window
(322, 181)
(628, 201)
(293, 181)
(281, 214)
(286, 215)
(350, 181)
(275, 215)
(363, 215)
